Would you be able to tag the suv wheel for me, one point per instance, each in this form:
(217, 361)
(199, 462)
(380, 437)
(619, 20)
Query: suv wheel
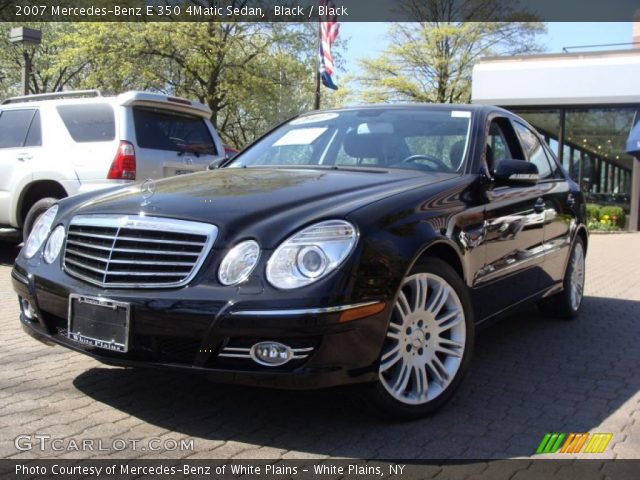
(428, 345)
(34, 213)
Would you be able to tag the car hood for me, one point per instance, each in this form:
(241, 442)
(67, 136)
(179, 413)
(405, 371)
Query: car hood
(264, 203)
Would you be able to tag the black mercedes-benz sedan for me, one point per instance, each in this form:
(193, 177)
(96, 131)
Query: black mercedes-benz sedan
(352, 246)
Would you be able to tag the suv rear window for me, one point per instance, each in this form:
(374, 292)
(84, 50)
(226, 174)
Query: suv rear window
(89, 123)
(163, 130)
(14, 125)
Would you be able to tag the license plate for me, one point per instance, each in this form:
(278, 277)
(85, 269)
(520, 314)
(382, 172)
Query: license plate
(99, 322)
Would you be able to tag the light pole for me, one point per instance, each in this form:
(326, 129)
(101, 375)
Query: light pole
(26, 37)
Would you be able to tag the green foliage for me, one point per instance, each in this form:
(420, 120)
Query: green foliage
(615, 214)
(50, 71)
(605, 218)
(252, 75)
(432, 61)
(593, 211)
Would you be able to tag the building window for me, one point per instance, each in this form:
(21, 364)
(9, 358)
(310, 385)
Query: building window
(593, 146)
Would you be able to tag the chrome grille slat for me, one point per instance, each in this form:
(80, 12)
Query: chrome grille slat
(86, 255)
(85, 266)
(131, 250)
(92, 235)
(145, 274)
(155, 262)
(170, 242)
(120, 251)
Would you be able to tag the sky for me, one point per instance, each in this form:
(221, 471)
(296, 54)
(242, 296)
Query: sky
(369, 39)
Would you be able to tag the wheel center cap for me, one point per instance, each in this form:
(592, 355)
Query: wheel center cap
(418, 339)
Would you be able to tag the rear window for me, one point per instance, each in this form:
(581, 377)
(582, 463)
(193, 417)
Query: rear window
(162, 130)
(34, 137)
(89, 123)
(14, 125)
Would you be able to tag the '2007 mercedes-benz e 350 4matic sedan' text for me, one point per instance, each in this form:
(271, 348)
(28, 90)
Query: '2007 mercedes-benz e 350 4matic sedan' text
(352, 246)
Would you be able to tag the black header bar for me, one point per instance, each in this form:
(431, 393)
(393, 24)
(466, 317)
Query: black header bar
(310, 10)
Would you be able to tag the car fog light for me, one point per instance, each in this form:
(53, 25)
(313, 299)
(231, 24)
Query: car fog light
(27, 309)
(271, 354)
(54, 244)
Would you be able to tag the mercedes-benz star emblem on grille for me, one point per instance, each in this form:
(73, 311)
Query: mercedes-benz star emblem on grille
(148, 188)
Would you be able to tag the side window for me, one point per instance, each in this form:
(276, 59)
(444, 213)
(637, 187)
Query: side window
(534, 151)
(14, 125)
(34, 136)
(497, 143)
(553, 161)
(502, 143)
(89, 123)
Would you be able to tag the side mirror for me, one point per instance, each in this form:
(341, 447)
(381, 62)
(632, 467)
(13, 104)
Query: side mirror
(515, 172)
(216, 163)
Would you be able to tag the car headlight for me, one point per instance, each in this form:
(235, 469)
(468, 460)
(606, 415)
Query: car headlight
(238, 264)
(311, 254)
(54, 244)
(40, 232)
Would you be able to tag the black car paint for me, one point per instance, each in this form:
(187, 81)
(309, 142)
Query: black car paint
(400, 216)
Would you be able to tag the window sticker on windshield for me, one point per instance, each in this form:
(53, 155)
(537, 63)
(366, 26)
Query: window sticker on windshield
(318, 117)
(460, 114)
(300, 136)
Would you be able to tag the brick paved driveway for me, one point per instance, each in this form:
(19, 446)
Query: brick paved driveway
(530, 375)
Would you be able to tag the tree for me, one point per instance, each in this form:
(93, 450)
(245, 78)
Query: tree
(48, 72)
(251, 75)
(432, 60)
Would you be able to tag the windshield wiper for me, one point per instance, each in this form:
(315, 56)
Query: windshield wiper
(182, 151)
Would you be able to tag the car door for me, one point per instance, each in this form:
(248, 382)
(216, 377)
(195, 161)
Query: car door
(20, 139)
(514, 230)
(559, 203)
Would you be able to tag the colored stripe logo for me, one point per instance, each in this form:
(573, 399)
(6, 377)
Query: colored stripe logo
(574, 443)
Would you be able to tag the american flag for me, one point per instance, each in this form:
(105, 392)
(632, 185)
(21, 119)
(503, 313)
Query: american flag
(329, 28)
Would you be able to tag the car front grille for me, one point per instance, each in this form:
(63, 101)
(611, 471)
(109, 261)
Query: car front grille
(120, 251)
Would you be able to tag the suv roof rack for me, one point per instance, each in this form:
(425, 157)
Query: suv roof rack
(53, 96)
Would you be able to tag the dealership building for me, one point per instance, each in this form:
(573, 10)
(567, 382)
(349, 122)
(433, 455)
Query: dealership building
(585, 104)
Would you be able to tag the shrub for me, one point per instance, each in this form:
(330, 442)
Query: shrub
(614, 214)
(593, 211)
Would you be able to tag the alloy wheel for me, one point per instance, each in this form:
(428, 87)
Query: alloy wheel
(425, 341)
(576, 287)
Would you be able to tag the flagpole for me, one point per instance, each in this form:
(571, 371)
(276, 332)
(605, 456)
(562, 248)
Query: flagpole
(316, 100)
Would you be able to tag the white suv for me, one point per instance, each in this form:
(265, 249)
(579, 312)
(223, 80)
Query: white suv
(61, 144)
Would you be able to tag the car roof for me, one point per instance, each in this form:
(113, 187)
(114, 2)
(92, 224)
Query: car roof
(477, 108)
(124, 99)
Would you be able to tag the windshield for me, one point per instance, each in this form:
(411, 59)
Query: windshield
(412, 138)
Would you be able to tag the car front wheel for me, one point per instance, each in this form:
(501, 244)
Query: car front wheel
(428, 343)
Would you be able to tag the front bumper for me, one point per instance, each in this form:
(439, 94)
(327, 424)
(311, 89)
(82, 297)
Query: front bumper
(182, 330)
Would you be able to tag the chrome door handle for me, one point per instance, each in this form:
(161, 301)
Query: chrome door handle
(24, 156)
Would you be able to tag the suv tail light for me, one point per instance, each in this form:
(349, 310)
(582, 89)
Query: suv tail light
(123, 166)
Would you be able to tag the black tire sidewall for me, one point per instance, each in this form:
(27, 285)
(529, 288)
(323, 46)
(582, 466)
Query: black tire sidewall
(388, 406)
(34, 213)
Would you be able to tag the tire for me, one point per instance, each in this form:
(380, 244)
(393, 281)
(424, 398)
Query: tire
(34, 213)
(566, 304)
(417, 374)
